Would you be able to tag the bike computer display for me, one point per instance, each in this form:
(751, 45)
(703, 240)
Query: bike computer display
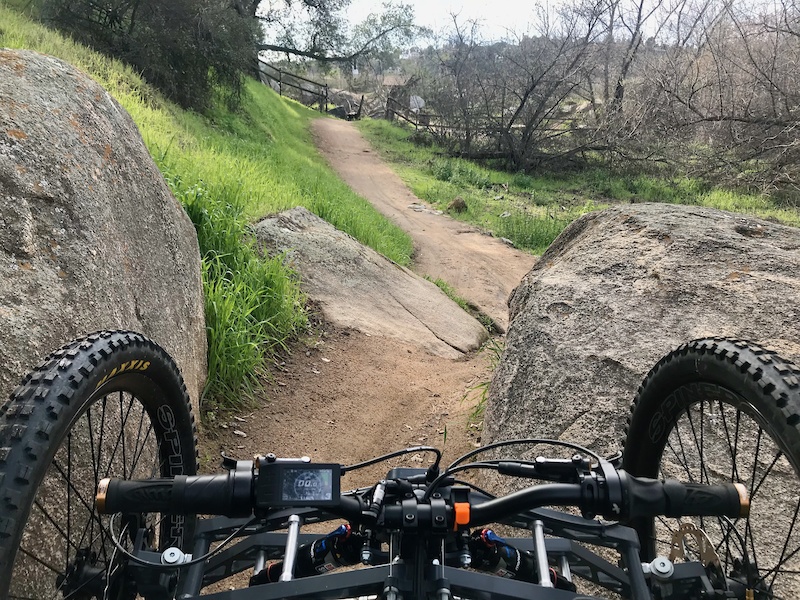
(289, 484)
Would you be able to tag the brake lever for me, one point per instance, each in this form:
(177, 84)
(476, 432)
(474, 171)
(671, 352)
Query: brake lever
(558, 470)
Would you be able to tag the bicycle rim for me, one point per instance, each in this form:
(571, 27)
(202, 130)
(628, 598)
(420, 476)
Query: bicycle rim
(715, 414)
(84, 415)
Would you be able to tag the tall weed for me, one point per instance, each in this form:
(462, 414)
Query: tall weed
(535, 231)
(495, 348)
(253, 305)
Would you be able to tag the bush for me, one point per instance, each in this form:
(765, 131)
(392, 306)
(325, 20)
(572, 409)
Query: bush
(253, 305)
(535, 231)
(188, 49)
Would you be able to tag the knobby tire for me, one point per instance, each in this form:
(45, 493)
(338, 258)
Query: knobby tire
(112, 404)
(713, 411)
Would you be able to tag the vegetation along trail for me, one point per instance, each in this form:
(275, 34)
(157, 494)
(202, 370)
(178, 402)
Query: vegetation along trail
(482, 270)
(344, 396)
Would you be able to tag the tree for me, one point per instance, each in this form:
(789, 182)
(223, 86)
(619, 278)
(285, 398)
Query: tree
(186, 48)
(317, 29)
(503, 100)
(729, 94)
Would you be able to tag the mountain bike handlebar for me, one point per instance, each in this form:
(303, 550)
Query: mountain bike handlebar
(609, 492)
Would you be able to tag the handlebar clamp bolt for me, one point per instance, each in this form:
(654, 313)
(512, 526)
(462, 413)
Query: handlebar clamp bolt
(409, 517)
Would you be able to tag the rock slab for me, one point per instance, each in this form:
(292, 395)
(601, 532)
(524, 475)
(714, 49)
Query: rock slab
(619, 289)
(90, 236)
(358, 288)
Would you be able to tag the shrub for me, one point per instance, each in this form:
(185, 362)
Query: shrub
(189, 49)
(253, 305)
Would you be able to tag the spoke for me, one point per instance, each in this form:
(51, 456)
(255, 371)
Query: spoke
(731, 446)
(86, 505)
(755, 458)
(769, 469)
(781, 560)
(40, 561)
(748, 536)
(698, 445)
(122, 436)
(125, 409)
(665, 524)
(96, 458)
(78, 593)
(736, 436)
(768, 572)
(774, 569)
(726, 525)
(57, 527)
(142, 445)
(684, 462)
(139, 445)
(119, 439)
(90, 523)
(682, 459)
(70, 485)
(748, 532)
(702, 439)
(726, 539)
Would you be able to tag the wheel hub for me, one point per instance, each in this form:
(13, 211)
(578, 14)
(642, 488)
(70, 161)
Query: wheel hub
(84, 579)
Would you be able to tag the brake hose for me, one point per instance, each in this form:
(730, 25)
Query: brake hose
(378, 459)
(188, 563)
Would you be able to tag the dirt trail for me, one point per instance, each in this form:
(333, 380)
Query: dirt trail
(482, 269)
(345, 396)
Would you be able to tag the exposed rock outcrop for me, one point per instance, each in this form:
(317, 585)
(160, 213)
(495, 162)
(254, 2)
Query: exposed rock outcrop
(621, 288)
(90, 236)
(358, 288)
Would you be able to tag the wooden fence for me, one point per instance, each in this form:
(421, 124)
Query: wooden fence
(395, 110)
(306, 91)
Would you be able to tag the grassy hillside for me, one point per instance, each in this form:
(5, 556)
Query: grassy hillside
(230, 169)
(531, 210)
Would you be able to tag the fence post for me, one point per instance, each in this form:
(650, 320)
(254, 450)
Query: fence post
(280, 82)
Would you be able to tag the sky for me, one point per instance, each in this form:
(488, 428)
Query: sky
(496, 16)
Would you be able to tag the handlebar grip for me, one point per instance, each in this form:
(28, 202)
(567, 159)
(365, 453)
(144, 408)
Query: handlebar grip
(650, 497)
(196, 494)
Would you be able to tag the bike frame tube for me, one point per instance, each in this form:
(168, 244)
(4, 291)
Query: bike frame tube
(370, 581)
(570, 532)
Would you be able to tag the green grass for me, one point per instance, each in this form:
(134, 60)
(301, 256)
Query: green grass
(495, 348)
(229, 170)
(253, 305)
(450, 292)
(531, 210)
(484, 319)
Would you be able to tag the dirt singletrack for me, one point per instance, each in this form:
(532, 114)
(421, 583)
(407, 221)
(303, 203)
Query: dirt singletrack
(345, 396)
(482, 269)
